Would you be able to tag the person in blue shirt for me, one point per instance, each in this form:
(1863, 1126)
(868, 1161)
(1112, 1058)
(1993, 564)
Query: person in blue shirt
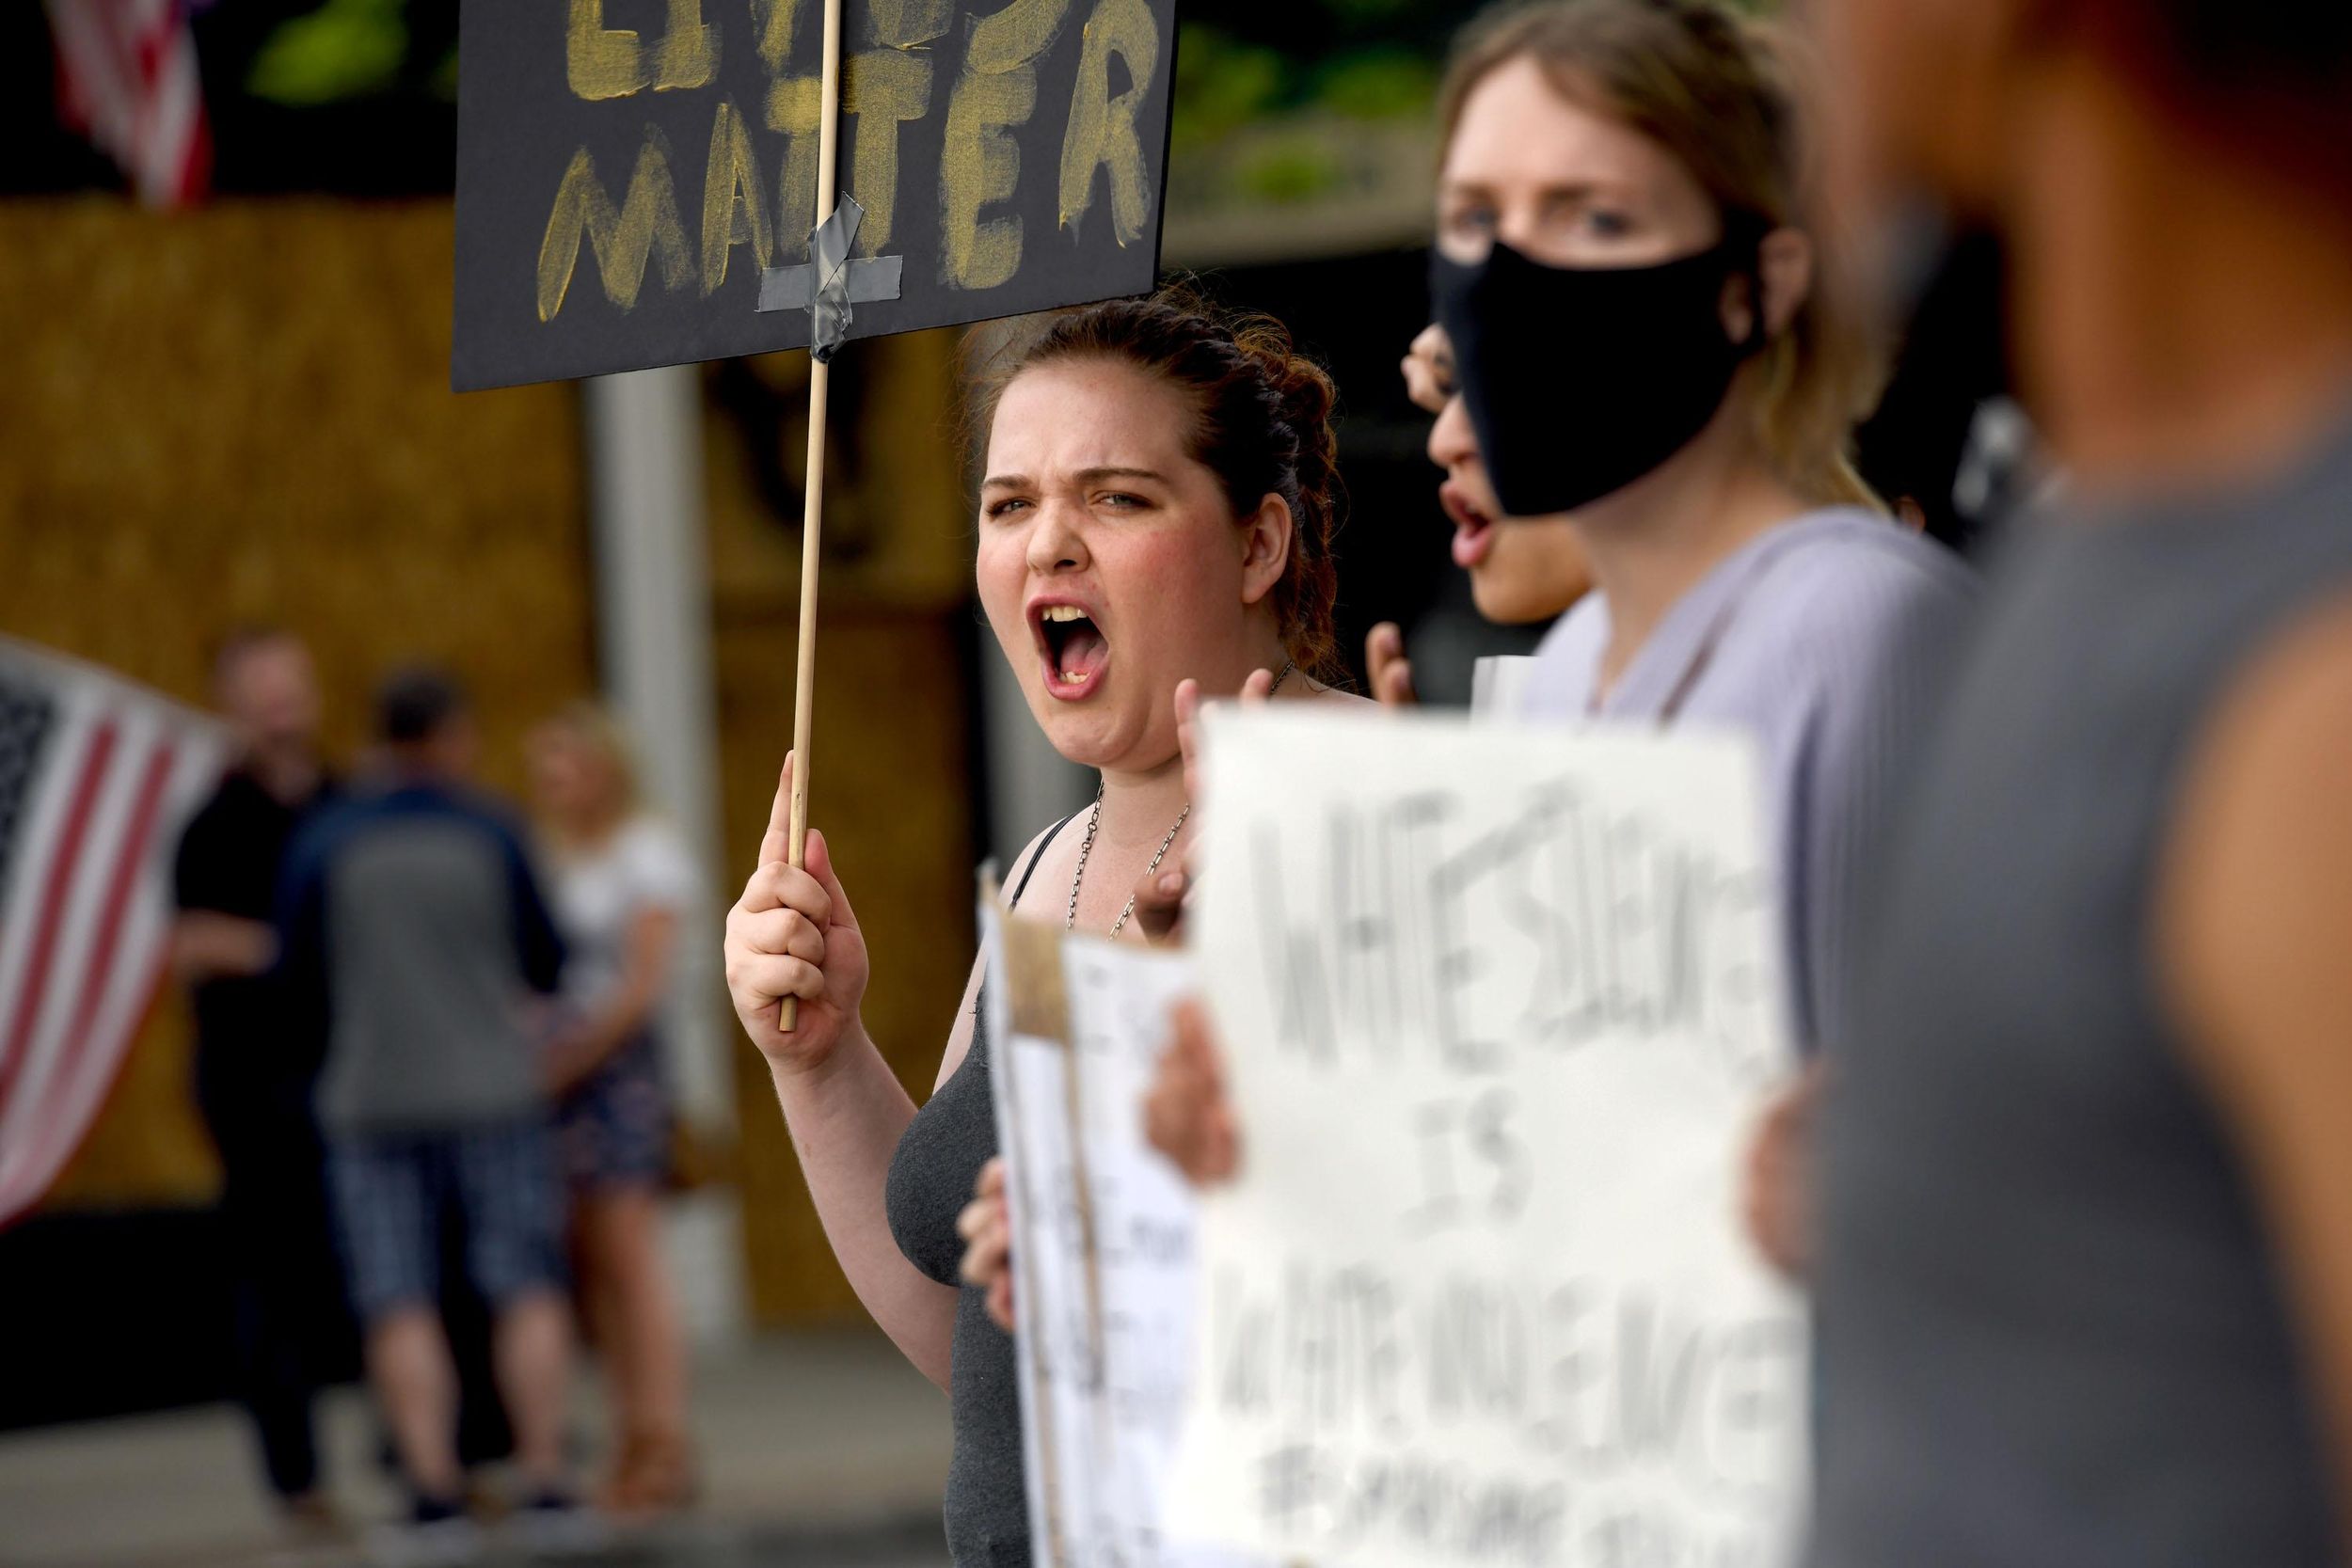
(414, 931)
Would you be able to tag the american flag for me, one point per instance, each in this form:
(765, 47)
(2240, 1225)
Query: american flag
(127, 80)
(96, 777)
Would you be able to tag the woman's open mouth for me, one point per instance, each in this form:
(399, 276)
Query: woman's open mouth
(1074, 651)
(1473, 529)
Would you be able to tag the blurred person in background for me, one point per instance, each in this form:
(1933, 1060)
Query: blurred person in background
(621, 880)
(2085, 1287)
(1525, 572)
(257, 1060)
(413, 928)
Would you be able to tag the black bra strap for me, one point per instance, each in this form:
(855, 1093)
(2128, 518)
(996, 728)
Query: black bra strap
(1030, 870)
(979, 999)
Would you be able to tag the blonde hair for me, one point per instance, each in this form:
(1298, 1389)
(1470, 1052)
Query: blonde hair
(1723, 94)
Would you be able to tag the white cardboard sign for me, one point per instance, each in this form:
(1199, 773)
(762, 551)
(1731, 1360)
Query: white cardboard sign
(1499, 1005)
(1103, 1249)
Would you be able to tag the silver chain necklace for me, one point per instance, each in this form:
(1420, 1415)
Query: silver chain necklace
(1094, 820)
(1086, 848)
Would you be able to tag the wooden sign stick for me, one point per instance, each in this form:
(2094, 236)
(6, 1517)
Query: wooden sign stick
(813, 505)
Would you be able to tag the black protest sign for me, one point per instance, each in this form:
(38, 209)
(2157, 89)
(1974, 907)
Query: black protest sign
(627, 170)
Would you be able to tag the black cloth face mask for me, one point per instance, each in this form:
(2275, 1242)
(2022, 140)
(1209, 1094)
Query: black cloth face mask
(1580, 380)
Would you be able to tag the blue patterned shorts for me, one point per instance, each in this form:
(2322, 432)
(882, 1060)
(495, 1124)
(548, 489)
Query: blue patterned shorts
(392, 1192)
(615, 1125)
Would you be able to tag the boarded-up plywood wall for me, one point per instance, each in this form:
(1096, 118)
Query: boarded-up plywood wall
(891, 787)
(244, 414)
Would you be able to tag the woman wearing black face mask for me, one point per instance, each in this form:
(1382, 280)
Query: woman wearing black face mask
(1619, 188)
(1620, 192)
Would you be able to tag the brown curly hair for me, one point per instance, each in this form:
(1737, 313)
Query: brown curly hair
(1261, 422)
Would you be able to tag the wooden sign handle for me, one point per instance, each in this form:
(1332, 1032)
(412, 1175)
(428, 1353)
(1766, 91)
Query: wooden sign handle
(813, 504)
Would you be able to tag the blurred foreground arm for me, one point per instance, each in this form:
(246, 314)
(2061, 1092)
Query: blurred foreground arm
(2255, 932)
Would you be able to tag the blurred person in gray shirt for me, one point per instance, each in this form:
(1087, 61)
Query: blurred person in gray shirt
(2085, 1278)
(413, 927)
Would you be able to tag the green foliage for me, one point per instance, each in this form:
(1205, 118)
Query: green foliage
(1290, 169)
(1377, 84)
(345, 49)
(1222, 84)
(442, 84)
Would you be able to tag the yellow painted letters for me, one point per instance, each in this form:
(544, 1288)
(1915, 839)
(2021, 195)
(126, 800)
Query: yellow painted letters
(773, 20)
(883, 87)
(792, 109)
(735, 212)
(690, 49)
(646, 222)
(904, 23)
(604, 62)
(979, 162)
(1101, 130)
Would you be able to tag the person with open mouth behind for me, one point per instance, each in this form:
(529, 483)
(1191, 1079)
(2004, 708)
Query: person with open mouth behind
(1156, 506)
(1521, 570)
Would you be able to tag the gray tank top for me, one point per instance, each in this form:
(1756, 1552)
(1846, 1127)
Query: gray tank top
(2052, 1332)
(931, 1177)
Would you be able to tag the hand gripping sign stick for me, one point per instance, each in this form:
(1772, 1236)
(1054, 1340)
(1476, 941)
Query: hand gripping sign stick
(821, 354)
(826, 287)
